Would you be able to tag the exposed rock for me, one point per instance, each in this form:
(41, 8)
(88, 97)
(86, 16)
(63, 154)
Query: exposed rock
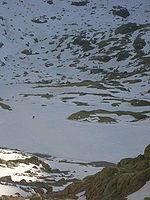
(103, 58)
(1, 44)
(107, 120)
(79, 3)
(47, 95)
(79, 103)
(80, 41)
(120, 11)
(85, 115)
(35, 160)
(136, 102)
(32, 160)
(27, 52)
(23, 182)
(49, 1)
(113, 182)
(48, 64)
(103, 44)
(39, 191)
(49, 190)
(36, 197)
(3, 197)
(123, 55)
(139, 43)
(4, 3)
(5, 106)
(40, 20)
(127, 28)
(36, 40)
(7, 179)
(2, 64)
(11, 164)
(3, 161)
(1, 17)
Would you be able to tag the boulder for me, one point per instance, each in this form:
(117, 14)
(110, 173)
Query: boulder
(120, 11)
(139, 43)
(6, 179)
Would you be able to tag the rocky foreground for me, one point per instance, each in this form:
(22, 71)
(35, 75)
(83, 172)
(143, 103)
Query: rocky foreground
(112, 182)
(25, 174)
(116, 182)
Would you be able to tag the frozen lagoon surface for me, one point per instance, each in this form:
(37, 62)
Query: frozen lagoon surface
(52, 133)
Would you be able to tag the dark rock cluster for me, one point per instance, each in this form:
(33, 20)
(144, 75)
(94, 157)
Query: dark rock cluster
(120, 11)
(115, 182)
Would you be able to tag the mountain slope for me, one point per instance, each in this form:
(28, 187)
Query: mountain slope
(67, 61)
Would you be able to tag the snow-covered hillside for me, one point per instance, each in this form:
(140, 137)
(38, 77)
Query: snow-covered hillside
(26, 174)
(59, 42)
(75, 73)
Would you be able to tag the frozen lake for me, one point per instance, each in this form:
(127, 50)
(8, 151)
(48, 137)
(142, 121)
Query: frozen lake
(51, 132)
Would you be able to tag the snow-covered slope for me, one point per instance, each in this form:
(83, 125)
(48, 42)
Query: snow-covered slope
(62, 58)
(26, 174)
(48, 32)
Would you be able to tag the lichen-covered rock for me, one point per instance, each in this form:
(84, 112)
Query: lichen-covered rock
(139, 43)
(127, 28)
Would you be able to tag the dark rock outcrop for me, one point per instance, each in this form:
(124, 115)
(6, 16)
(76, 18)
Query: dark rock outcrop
(115, 182)
(120, 11)
(139, 43)
(83, 42)
(127, 28)
(79, 3)
(6, 179)
(123, 55)
(1, 44)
